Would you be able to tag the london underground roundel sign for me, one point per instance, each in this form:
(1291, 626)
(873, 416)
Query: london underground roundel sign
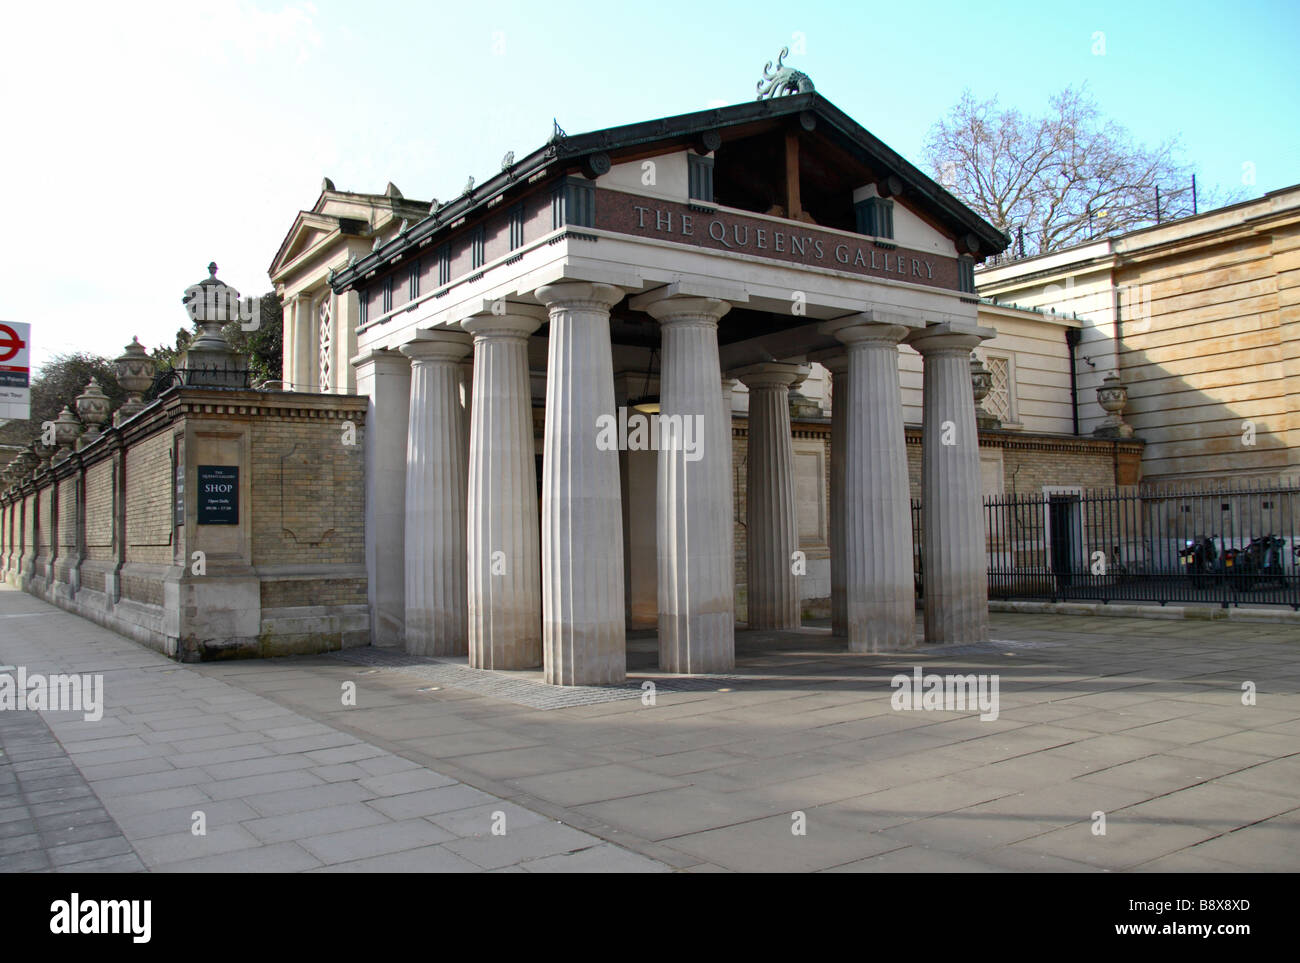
(10, 343)
(15, 375)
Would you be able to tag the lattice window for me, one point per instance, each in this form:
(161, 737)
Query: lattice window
(999, 400)
(326, 340)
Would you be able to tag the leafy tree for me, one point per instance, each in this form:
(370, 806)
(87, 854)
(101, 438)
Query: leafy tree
(58, 383)
(1061, 177)
(65, 376)
(264, 345)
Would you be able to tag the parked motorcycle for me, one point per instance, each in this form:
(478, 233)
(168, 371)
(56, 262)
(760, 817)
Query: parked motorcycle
(1260, 562)
(1199, 558)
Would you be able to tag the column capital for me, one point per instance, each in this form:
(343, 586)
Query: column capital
(868, 327)
(949, 338)
(834, 360)
(688, 297)
(770, 374)
(684, 310)
(438, 345)
(519, 321)
(380, 358)
(579, 295)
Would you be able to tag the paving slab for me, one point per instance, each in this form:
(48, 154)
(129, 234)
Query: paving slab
(1133, 718)
(195, 774)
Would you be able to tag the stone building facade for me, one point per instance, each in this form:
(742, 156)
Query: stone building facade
(660, 268)
(320, 327)
(1200, 320)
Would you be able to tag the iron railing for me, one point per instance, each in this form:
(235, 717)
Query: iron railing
(1228, 545)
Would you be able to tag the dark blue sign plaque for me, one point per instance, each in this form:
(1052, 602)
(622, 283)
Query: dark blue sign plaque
(218, 495)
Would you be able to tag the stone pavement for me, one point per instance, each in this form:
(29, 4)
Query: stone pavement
(278, 791)
(1141, 720)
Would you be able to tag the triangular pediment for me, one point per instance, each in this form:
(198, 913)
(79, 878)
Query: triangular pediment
(309, 229)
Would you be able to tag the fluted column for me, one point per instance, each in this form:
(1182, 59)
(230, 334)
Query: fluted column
(728, 399)
(504, 583)
(306, 361)
(838, 366)
(880, 598)
(385, 376)
(696, 577)
(289, 348)
(582, 523)
(954, 556)
(436, 487)
(771, 523)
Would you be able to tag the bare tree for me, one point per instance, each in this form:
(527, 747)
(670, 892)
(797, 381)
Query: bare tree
(1062, 177)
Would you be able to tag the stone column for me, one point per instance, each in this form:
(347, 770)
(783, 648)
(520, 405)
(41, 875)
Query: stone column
(582, 525)
(876, 514)
(305, 360)
(505, 601)
(954, 556)
(289, 334)
(436, 594)
(696, 576)
(770, 506)
(728, 399)
(838, 366)
(385, 376)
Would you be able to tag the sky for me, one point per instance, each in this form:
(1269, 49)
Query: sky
(143, 140)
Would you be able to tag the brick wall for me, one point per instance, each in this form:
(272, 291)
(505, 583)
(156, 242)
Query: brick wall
(288, 593)
(148, 500)
(309, 504)
(68, 508)
(29, 522)
(45, 508)
(99, 511)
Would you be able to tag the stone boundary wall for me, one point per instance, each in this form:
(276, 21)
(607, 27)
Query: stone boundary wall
(112, 531)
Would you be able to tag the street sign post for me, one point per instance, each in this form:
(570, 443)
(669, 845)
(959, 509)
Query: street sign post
(15, 373)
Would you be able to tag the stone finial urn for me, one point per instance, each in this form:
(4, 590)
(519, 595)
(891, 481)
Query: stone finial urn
(67, 429)
(1112, 396)
(209, 361)
(135, 372)
(26, 464)
(92, 408)
(42, 453)
(981, 380)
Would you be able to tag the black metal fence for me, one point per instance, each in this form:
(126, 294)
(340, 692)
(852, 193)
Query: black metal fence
(1229, 545)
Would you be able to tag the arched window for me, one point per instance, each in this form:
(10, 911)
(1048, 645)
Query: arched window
(326, 314)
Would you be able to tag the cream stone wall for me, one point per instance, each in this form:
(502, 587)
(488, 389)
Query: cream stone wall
(1034, 345)
(1201, 318)
(669, 173)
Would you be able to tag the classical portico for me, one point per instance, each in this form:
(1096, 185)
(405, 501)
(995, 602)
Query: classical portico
(609, 317)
